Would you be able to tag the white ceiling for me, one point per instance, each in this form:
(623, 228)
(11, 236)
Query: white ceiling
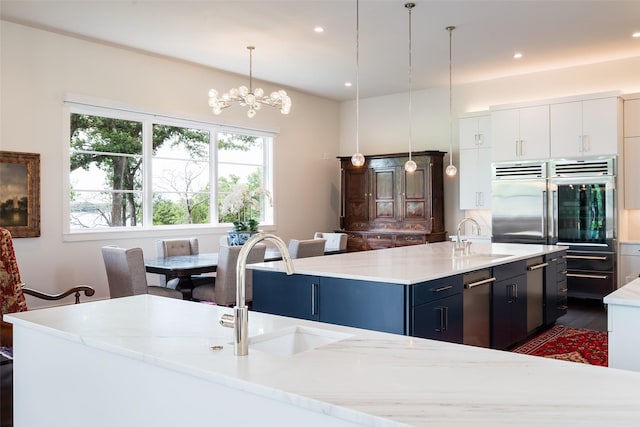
(550, 34)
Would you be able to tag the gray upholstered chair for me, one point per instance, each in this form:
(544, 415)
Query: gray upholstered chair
(177, 247)
(306, 248)
(336, 242)
(127, 276)
(223, 290)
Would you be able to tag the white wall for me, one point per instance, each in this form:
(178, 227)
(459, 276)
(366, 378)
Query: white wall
(38, 68)
(384, 123)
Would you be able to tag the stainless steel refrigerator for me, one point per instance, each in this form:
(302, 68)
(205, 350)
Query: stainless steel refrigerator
(567, 202)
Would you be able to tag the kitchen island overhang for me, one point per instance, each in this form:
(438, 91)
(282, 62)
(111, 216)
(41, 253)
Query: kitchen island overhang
(134, 361)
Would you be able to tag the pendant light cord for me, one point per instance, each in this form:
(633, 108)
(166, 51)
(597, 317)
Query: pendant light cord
(410, 6)
(357, 76)
(450, 103)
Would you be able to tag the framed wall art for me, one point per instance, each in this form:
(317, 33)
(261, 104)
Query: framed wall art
(20, 193)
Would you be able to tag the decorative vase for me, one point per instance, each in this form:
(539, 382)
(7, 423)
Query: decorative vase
(239, 238)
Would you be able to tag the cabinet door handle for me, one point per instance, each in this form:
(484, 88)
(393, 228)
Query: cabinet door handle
(443, 288)
(479, 282)
(515, 291)
(588, 276)
(537, 266)
(444, 318)
(314, 299)
(589, 257)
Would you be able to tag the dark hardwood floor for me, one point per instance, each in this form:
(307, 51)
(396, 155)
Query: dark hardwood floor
(585, 314)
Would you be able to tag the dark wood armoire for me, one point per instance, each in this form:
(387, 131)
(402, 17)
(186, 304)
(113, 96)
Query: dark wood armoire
(383, 206)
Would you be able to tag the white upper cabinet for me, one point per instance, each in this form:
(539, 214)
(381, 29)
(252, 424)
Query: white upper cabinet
(475, 162)
(475, 132)
(631, 117)
(520, 134)
(585, 128)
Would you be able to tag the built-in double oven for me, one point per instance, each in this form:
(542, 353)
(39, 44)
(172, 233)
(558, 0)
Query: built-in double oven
(567, 202)
(582, 204)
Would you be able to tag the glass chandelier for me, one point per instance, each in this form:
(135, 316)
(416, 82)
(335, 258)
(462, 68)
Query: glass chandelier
(358, 158)
(451, 170)
(410, 166)
(248, 97)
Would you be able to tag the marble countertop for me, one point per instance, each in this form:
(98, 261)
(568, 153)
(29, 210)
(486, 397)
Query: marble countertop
(411, 264)
(370, 378)
(629, 295)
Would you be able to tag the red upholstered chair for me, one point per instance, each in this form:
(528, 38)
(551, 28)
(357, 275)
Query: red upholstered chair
(12, 300)
(12, 289)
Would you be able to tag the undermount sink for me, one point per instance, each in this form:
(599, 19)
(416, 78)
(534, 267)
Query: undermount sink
(294, 340)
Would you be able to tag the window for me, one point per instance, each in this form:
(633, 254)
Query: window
(137, 171)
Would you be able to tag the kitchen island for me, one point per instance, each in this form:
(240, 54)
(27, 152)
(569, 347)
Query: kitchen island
(153, 361)
(422, 290)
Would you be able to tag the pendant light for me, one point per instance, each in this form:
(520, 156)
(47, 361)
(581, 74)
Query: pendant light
(451, 170)
(357, 159)
(410, 166)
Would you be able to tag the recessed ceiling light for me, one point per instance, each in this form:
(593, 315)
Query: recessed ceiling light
(636, 35)
(517, 55)
(348, 84)
(318, 29)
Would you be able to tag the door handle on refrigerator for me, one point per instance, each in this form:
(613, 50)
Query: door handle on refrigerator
(554, 216)
(545, 230)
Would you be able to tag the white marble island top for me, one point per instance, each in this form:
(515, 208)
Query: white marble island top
(628, 295)
(409, 265)
(369, 378)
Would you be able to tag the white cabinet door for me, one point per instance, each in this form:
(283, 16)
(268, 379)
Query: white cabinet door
(585, 128)
(475, 178)
(475, 132)
(505, 133)
(566, 129)
(534, 132)
(600, 120)
(631, 159)
(632, 117)
(520, 134)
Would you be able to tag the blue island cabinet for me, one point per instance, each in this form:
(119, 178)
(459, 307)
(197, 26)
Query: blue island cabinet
(428, 310)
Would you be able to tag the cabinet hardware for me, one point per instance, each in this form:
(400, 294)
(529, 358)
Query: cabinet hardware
(588, 276)
(479, 282)
(314, 306)
(537, 266)
(443, 288)
(589, 257)
(562, 307)
(444, 318)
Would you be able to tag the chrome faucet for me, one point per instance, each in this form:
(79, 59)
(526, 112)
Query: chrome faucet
(462, 246)
(239, 321)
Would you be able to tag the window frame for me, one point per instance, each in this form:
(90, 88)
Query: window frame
(104, 109)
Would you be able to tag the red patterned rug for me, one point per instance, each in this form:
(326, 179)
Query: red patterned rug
(564, 343)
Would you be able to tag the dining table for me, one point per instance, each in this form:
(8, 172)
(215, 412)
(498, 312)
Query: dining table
(186, 266)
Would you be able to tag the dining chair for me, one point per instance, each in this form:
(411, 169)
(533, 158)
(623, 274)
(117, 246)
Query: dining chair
(336, 242)
(127, 276)
(12, 300)
(223, 290)
(176, 247)
(306, 248)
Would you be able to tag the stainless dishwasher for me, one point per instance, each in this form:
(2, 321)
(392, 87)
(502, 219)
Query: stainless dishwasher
(535, 293)
(477, 308)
